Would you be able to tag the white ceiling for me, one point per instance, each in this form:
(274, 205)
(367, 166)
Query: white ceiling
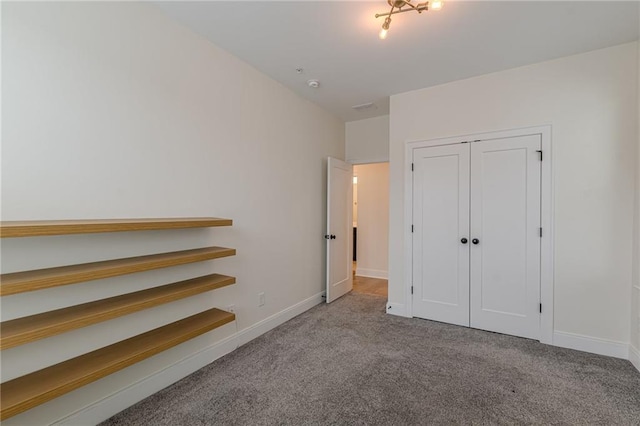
(337, 42)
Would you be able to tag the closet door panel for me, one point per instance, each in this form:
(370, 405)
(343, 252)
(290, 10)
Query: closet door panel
(440, 221)
(505, 221)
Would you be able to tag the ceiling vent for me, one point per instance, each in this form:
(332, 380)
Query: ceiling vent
(364, 107)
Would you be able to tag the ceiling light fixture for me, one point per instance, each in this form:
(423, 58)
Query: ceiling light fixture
(397, 7)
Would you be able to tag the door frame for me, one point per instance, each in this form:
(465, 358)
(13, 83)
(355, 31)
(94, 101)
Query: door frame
(546, 215)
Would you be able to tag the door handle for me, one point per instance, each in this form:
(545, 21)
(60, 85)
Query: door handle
(475, 241)
(330, 237)
(464, 241)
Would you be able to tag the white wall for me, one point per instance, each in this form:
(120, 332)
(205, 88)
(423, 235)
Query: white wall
(590, 100)
(634, 354)
(367, 141)
(373, 220)
(113, 110)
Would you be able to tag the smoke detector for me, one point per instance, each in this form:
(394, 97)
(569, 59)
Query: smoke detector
(314, 84)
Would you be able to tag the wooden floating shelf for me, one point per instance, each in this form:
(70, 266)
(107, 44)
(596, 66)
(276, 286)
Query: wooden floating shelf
(28, 329)
(13, 229)
(19, 282)
(21, 394)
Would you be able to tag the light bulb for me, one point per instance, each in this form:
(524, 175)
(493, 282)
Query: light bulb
(435, 4)
(385, 28)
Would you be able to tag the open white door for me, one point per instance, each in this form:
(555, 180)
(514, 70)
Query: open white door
(339, 235)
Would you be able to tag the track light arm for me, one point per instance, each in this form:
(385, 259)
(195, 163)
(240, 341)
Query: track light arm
(399, 4)
(397, 7)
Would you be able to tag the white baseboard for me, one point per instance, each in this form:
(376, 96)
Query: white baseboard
(591, 344)
(116, 402)
(634, 357)
(267, 324)
(372, 273)
(396, 309)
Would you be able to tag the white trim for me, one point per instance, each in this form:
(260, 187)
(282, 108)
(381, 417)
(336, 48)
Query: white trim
(499, 134)
(408, 236)
(267, 324)
(137, 391)
(397, 309)
(547, 214)
(372, 273)
(591, 344)
(634, 357)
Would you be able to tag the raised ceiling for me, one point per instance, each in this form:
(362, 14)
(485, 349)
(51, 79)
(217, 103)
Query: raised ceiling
(336, 42)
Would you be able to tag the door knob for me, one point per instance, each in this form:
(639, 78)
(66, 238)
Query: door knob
(475, 241)
(464, 241)
(330, 237)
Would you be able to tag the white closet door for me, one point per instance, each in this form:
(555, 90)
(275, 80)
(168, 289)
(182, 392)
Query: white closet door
(441, 221)
(505, 221)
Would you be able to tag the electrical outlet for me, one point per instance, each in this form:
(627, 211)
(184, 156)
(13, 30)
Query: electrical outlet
(231, 308)
(260, 299)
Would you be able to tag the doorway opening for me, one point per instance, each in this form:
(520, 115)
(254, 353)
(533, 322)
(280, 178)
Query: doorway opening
(371, 228)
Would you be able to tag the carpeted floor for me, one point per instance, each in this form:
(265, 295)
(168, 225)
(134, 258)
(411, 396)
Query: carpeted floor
(349, 363)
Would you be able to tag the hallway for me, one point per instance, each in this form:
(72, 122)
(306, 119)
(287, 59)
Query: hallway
(372, 286)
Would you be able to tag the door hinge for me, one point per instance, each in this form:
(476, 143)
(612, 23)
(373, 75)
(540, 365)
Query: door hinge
(411, 166)
(541, 308)
(540, 232)
(411, 228)
(411, 289)
(540, 152)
